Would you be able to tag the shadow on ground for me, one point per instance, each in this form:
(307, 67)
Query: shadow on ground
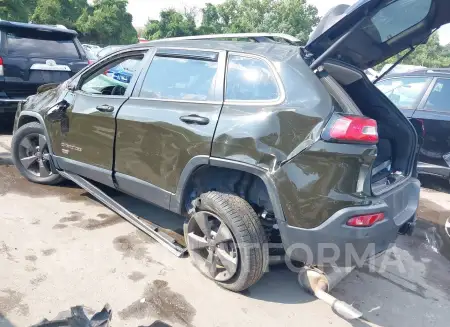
(435, 183)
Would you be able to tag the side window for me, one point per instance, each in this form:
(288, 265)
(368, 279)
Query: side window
(405, 92)
(250, 79)
(112, 79)
(179, 79)
(439, 99)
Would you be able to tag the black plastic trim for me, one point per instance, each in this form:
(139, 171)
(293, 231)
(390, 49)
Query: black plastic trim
(143, 190)
(191, 166)
(94, 173)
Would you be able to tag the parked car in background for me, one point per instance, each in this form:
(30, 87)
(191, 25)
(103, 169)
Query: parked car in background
(424, 95)
(400, 68)
(107, 50)
(92, 58)
(32, 55)
(124, 71)
(93, 48)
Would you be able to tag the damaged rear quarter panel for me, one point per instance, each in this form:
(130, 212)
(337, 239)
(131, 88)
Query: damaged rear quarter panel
(321, 181)
(265, 135)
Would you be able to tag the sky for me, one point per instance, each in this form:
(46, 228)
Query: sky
(142, 10)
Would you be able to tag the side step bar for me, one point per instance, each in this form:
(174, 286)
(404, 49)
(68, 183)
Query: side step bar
(148, 228)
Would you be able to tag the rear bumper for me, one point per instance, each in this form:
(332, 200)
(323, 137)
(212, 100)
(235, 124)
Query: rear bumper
(333, 242)
(9, 106)
(436, 170)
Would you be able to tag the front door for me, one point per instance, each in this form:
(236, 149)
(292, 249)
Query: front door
(170, 118)
(434, 112)
(86, 141)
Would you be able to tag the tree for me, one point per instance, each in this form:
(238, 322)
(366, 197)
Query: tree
(171, 24)
(107, 22)
(64, 12)
(294, 17)
(47, 12)
(15, 10)
(431, 55)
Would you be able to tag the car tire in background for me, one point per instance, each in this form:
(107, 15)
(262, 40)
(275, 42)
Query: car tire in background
(226, 240)
(30, 154)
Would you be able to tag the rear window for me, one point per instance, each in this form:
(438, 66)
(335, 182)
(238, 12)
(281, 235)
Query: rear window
(40, 46)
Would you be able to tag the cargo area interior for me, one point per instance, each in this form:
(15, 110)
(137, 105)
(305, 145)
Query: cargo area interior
(397, 137)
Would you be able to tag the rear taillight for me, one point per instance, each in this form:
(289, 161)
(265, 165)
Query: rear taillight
(90, 62)
(1, 67)
(351, 129)
(365, 220)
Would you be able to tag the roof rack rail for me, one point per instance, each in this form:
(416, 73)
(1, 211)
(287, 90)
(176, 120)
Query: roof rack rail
(255, 37)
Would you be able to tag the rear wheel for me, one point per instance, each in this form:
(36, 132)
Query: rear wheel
(226, 241)
(31, 155)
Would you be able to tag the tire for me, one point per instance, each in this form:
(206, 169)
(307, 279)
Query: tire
(247, 232)
(32, 129)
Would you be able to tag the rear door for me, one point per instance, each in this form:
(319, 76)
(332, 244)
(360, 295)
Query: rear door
(32, 58)
(170, 118)
(84, 140)
(434, 112)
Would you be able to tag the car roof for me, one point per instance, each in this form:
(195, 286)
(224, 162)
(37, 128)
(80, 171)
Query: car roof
(272, 51)
(431, 72)
(45, 28)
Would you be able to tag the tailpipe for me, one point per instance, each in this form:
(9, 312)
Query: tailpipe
(320, 283)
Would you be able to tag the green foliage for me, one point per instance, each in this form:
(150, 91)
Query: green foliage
(171, 24)
(294, 17)
(107, 22)
(431, 55)
(15, 10)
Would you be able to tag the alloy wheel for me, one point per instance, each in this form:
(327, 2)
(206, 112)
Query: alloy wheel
(212, 246)
(34, 155)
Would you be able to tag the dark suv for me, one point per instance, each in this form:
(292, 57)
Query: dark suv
(32, 55)
(255, 143)
(424, 95)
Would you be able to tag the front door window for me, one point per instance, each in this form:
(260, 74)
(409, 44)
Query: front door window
(112, 79)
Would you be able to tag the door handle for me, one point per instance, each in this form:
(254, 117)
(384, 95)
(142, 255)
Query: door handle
(195, 119)
(105, 108)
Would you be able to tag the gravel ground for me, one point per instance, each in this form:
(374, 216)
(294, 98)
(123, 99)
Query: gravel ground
(60, 248)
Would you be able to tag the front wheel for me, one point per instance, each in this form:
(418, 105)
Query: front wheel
(31, 155)
(226, 241)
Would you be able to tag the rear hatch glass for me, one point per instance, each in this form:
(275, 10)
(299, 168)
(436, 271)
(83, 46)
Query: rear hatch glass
(21, 44)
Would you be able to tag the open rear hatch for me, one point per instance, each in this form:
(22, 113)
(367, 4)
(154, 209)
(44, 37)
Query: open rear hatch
(351, 39)
(33, 56)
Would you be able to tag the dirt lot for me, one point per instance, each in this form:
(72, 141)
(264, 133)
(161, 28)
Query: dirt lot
(60, 248)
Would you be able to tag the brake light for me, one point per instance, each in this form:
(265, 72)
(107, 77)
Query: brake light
(365, 220)
(351, 129)
(1, 67)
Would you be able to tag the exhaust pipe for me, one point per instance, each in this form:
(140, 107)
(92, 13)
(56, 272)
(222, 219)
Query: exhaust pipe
(320, 283)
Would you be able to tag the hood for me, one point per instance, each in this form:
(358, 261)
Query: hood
(385, 28)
